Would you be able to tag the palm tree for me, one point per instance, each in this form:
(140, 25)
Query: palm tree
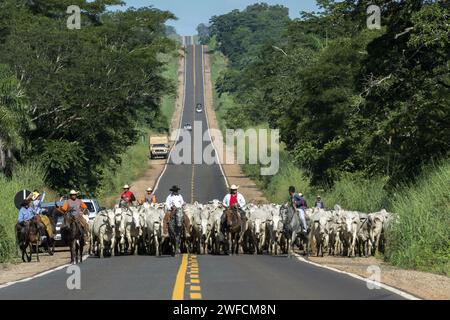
(14, 117)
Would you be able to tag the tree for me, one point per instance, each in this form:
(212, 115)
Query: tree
(203, 33)
(14, 118)
(87, 88)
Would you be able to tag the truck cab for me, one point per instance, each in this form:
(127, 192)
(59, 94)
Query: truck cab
(159, 146)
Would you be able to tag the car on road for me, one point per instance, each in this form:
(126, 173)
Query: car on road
(93, 209)
(187, 126)
(199, 108)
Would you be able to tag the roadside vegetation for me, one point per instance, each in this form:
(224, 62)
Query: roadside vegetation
(33, 177)
(360, 125)
(79, 117)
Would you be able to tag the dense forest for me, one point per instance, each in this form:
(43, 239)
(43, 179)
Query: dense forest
(346, 98)
(73, 100)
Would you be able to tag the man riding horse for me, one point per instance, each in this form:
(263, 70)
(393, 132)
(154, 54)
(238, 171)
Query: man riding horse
(233, 200)
(175, 200)
(75, 208)
(299, 203)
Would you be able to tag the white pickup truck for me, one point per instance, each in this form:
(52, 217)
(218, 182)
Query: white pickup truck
(159, 146)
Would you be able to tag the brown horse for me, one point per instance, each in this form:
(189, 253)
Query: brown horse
(27, 235)
(233, 229)
(73, 234)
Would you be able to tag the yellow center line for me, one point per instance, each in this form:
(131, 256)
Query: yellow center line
(178, 290)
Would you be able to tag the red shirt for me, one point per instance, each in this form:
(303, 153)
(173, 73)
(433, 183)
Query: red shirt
(233, 199)
(128, 196)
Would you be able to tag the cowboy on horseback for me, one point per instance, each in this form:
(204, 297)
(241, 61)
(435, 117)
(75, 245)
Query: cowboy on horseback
(299, 203)
(233, 200)
(42, 220)
(25, 213)
(75, 208)
(127, 196)
(27, 230)
(174, 200)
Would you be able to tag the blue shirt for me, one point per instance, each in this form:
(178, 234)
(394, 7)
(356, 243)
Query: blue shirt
(25, 214)
(37, 205)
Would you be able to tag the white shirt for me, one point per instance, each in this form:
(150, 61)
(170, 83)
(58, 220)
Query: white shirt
(174, 200)
(240, 200)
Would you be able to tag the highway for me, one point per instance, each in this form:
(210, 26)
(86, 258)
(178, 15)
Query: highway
(242, 277)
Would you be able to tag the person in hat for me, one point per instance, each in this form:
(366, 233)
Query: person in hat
(319, 203)
(76, 208)
(127, 195)
(175, 200)
(234, 199)
(299, 203)
(40, 213)
(149, 197)
(25, 212)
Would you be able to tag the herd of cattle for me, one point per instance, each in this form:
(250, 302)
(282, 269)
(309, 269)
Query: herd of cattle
(268, 228)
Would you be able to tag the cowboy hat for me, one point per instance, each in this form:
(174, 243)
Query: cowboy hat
(149, 189)
(234, 187)
(126, 186)
(174, 189)
(73, 192)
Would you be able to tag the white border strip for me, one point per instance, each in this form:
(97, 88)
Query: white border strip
(179, 124)
(382, 285)
(206, 115)
(39, 274)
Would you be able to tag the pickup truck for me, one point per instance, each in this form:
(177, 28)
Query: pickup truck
(159, 146)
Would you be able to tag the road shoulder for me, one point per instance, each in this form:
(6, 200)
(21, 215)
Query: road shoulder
(420, 284)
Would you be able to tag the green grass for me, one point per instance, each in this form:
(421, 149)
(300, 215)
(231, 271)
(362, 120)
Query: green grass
(171, 73)
(421, 238)
(223, 102)
(28, 177)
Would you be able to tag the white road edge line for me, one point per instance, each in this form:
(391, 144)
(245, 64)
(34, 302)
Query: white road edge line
(179, 125)
(40, 274)
(382, 285)
(207, 122)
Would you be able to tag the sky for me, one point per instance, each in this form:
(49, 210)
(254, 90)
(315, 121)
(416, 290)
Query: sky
(191, 13)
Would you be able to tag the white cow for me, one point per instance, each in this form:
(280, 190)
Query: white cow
(103, 231)
(154, 215)
(350, 221)
(320, 229)
(275, 231)
(376, 221)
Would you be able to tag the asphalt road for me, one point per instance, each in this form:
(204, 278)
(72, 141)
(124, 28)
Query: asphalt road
(198, 181)
(243, 277)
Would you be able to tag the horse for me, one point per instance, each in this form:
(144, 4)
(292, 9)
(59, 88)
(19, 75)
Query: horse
(293, 228)
(27, 235)
(176, 228)
(73, 234)
(233, 227)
